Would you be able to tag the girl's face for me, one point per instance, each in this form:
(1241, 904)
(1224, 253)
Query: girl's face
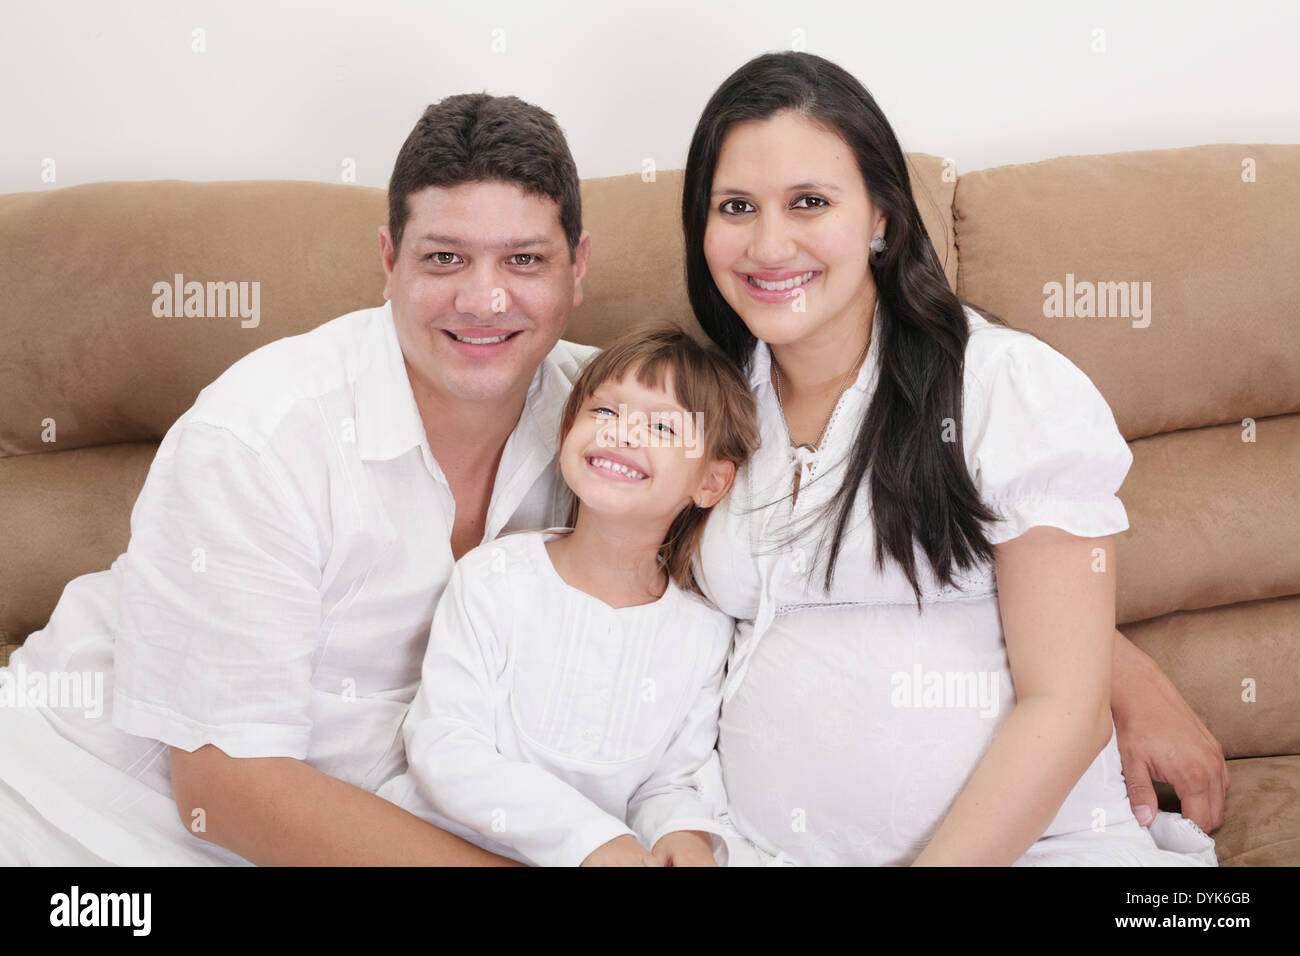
(634, 452)
(789, 211)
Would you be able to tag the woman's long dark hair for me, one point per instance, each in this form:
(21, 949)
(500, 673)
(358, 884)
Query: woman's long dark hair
(920, 489)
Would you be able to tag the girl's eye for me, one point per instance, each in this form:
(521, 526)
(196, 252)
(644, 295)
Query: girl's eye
(728, 207)
(443, 258)
(819, 202)
(664, 425)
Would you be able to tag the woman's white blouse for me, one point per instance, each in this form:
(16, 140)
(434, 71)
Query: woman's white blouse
(850, 720)
(548, 722)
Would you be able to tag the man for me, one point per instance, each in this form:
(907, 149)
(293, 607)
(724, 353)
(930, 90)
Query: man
(299, 522)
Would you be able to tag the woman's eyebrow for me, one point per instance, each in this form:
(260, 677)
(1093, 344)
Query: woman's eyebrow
(819, 187)
(797, 187)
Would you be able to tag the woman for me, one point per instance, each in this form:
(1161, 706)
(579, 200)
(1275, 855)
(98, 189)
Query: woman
(913, 452)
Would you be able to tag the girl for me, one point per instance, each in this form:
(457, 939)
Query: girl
(921, 553)
(571, 685)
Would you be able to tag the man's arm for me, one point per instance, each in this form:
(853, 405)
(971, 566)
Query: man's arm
(277, 811)
(1160, 738)
(220, 623)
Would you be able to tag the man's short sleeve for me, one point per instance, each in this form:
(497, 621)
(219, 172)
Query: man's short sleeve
(219, 614)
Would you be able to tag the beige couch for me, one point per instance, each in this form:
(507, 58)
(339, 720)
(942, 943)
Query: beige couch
(91, 377)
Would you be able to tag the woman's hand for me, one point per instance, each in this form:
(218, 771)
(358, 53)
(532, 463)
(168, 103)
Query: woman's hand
(685, 848)
(621, 851)
(1161, 738)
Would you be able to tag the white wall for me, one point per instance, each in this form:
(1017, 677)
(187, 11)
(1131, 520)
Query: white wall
(289, 91)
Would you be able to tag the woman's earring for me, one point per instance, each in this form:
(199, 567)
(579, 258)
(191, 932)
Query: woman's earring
(878, 245)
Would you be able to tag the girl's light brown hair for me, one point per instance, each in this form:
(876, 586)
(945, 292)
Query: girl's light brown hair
(704, 380)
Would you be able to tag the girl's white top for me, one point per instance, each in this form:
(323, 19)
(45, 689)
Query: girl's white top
(548, 722)
(850, 721)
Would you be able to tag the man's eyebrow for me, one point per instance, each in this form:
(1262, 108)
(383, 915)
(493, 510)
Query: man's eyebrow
(524, 242)
(816, 187)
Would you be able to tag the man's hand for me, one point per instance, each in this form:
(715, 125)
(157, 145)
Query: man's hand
(621, 851)
(1160, 738)
(685, 848)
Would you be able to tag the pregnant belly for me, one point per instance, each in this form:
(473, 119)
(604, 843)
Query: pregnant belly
(856, 727)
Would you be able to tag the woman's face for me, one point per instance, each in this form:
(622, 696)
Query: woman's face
(789, 210)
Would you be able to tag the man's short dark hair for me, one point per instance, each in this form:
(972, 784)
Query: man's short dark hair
(477, 137)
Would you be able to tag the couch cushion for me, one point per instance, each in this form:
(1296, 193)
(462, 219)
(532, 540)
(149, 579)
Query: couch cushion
(62, 514)
(1261, 820)
(1220, 658)
(83, 345)
(1222, 257)
(1213, 519)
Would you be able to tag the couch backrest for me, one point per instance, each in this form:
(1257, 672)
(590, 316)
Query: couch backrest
(1210, 567)
(1209, 570)
(91, 377)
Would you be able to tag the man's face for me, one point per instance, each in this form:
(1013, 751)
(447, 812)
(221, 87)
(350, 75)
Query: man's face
(480, 260)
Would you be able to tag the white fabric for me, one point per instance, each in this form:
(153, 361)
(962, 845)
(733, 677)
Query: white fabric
(286, 554)
(549, 722)
(31, 840)
(82, 811)
(836, 744)
(1127, 843)
(1173, 831)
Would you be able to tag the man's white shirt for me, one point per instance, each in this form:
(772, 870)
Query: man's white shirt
(287, 551)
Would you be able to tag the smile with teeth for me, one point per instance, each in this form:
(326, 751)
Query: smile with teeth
(616, 468)
(492, 341)
(782, 285)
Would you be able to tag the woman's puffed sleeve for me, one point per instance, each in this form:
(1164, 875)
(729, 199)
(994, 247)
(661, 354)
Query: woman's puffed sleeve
(1041, 443)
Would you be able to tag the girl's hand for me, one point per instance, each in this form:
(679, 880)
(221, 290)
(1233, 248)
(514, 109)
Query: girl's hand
(621, 851)
(1160, 738)
(685, 848)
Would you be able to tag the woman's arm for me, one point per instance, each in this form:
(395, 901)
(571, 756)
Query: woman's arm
(1058, 619)
(1161, 738)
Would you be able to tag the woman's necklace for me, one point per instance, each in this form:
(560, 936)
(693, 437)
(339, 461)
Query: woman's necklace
(804, 453)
